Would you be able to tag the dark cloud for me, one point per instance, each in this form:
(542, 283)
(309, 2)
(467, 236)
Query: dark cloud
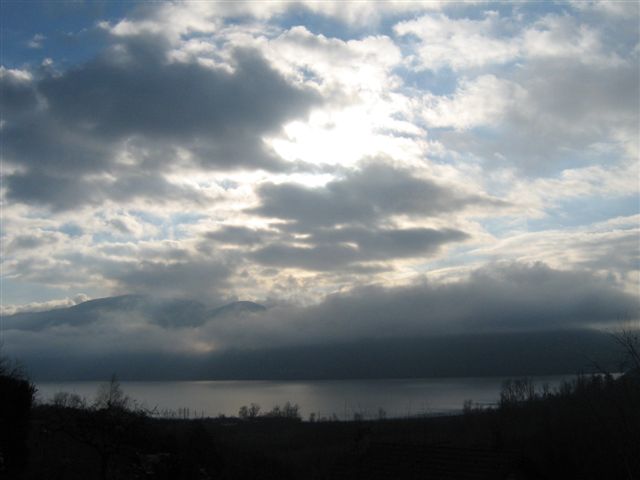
(241, 235)
(120, 225)
(197, 277)
(383, 243)
(17, 95)
(349, 220)
(363, 196)
(59, 192)
(139, 93)
(66, 192)
(30, 241)
(322, 257)
(338, 249)
(130, 98)
(45, 145)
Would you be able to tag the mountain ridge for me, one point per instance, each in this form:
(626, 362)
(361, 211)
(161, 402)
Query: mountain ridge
(172, 312)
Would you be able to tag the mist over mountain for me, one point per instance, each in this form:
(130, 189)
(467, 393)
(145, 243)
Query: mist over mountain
(550, 351)
(172, 313)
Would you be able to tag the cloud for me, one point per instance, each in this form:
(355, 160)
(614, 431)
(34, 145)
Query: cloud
(547, 118)
(130, 113)
(197, 277)
(36, 41)
(335, 66)
(562, 36)
(67, 192)
(467, 44)
(17, 93)
(608, 249)
(30, 241)
(356, 218)
(497, 297)
(539, 93)
(627, 10)
(31, 307)
(177, 20)
(481, 102)
(136, 92)
(364, 196)
(240, 236)
(127, 225)
(339, 249)
(458, 44)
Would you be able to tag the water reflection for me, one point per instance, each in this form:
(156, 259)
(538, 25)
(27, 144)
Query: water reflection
(342, 398)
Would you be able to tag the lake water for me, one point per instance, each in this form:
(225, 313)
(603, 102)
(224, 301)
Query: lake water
(344, 398)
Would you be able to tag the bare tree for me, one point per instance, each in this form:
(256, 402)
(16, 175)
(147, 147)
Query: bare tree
(110, 396)
(629, 340)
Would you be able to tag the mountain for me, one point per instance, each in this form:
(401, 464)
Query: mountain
(171, 313)
(81, 314)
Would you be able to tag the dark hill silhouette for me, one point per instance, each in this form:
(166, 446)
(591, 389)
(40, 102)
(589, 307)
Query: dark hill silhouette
(542, 353)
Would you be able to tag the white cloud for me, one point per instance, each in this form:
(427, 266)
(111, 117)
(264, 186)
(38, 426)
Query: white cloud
(169, 20)
(332, 63)
(174, 20)
(44, 306)
(464, 44)
(483, 101)
(15, 74)
(608, 249)
(562, 36)
(458, 44)
(36, 41)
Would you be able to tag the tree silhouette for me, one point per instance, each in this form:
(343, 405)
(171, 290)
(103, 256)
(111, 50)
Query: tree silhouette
(16, 400)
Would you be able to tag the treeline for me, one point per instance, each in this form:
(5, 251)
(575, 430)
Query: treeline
(287, 411)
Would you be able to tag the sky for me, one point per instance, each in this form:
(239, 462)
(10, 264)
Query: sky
(359, 168)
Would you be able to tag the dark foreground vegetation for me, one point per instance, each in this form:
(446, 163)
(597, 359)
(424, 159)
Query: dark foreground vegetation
(587, 429)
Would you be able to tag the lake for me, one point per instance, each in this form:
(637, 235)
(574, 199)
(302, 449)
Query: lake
(344, 398)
